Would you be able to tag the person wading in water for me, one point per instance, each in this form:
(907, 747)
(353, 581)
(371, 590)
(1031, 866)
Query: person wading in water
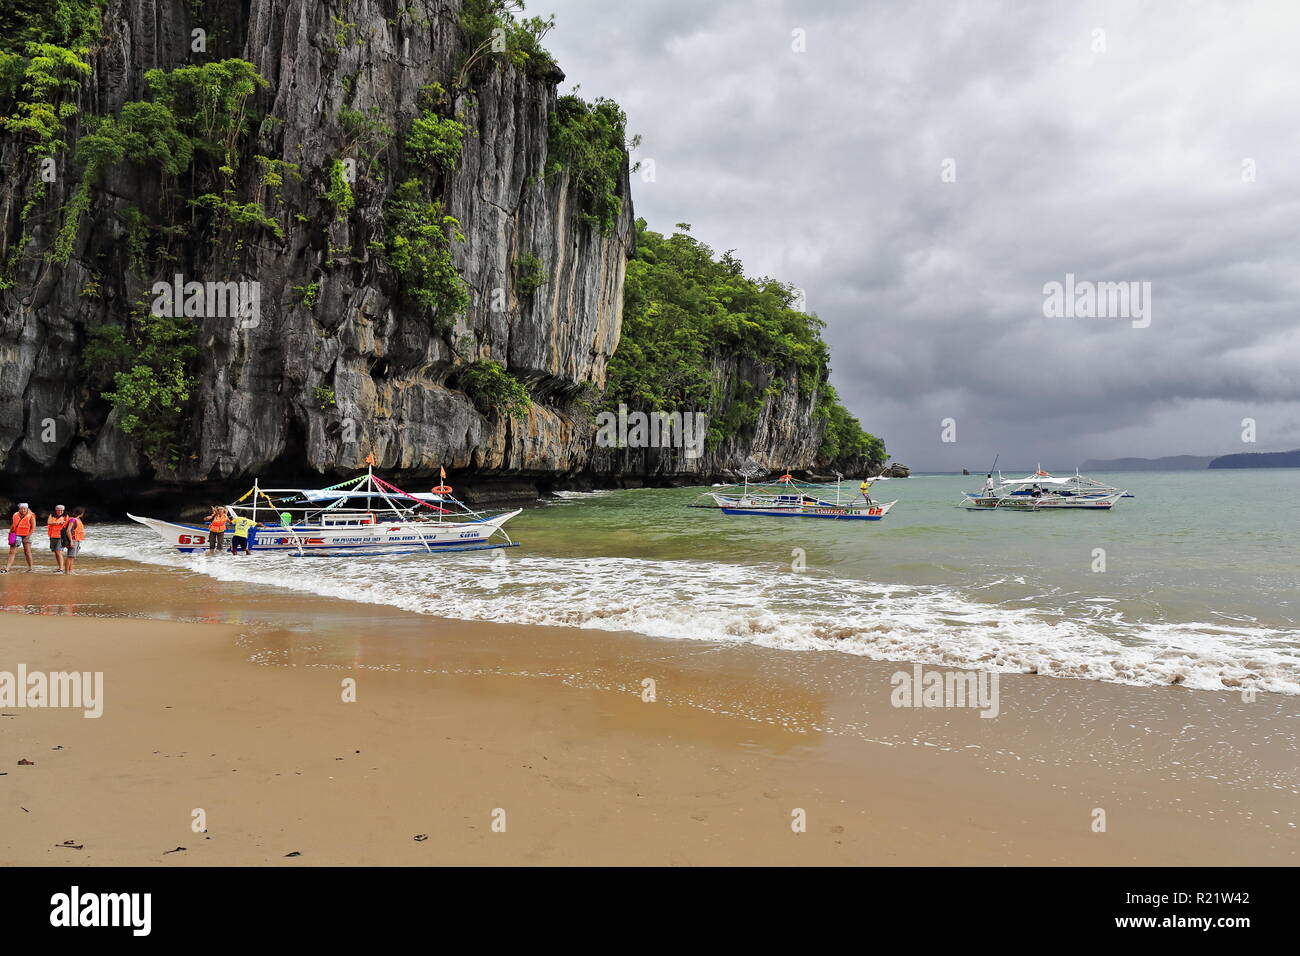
(239, 542)
(54, 529)
(74, 532)
(21, 527)
(216, 530)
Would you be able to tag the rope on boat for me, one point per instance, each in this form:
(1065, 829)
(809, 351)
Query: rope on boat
(419, 501)
(344, 484)
(385, 485)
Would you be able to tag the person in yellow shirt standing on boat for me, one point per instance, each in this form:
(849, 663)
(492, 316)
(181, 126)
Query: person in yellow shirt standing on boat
(865, 488)
(54, 529)
(239, 540)
(21, 527)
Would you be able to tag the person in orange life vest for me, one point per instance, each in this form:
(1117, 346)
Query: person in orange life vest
(74, 532)
(217, 529)
(54, 528)
(21, 527)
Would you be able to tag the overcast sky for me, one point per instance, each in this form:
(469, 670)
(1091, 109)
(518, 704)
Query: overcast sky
(826, 168)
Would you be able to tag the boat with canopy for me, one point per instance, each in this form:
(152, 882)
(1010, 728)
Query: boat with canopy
(361, 517)
(787, 497)
(1043, 491)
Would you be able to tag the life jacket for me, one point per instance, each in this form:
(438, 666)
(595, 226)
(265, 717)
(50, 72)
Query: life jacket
(24, 525)
(54, 526)
(218, 524)
(74, 530)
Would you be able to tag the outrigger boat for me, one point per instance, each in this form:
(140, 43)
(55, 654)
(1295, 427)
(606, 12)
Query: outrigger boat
(1042, 491)
(789, 498)
(362, 517)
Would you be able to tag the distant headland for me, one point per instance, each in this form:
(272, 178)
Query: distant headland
(1267, 459)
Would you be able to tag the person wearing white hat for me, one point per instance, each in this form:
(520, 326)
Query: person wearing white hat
(54, 528)
(21, 527)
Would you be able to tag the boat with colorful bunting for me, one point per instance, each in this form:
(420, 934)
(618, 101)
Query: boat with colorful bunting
(361, 517)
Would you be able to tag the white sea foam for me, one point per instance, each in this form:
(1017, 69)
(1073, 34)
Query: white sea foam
(730, 603)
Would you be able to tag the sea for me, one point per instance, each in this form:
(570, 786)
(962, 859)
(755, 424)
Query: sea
(1192, 581)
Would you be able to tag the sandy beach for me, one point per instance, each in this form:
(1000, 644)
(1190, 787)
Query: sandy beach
(231, 702)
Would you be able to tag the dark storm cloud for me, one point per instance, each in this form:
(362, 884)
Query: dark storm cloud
(822, 168)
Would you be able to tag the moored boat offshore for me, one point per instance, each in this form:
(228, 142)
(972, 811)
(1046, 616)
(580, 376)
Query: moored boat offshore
(1043, 491)
(789, 498)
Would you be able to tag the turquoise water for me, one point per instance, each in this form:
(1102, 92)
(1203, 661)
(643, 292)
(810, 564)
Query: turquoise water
(1198, 586)
(1189, 545)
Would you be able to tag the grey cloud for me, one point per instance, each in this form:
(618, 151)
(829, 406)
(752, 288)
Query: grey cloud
(823, 169)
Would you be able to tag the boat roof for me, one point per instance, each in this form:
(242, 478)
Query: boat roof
(366, 492)
(329, 494)
(1039, 480)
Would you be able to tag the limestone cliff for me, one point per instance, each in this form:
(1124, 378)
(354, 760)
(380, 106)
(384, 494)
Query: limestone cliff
(339, 362)
(388, 377)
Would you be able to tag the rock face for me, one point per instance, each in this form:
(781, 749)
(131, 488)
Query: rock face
(390, 374)
(896, 470)
(310, 389)
(783, 436)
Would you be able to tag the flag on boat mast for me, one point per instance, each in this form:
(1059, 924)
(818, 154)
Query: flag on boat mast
(370, 459)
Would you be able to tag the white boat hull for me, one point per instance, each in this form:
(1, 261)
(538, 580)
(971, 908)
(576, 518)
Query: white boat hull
(1045, 503)
(380, 538)
(790, 506)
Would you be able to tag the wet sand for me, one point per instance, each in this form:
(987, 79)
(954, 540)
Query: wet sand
(229, 698)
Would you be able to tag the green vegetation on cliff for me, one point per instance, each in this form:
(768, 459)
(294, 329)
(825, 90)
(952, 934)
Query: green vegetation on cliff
(143, 133)
(210, 102)
(686, 310)
(148, 365)
(844, 437)
(497, 33)
(192, 135)
(36, 90)
(419, 251)
(44, 46)
(494, 391)
(44, 51)
(589, 140)
(530, 274)
(436, 139)
(419, 233)
(193, 124)
(65, 22)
